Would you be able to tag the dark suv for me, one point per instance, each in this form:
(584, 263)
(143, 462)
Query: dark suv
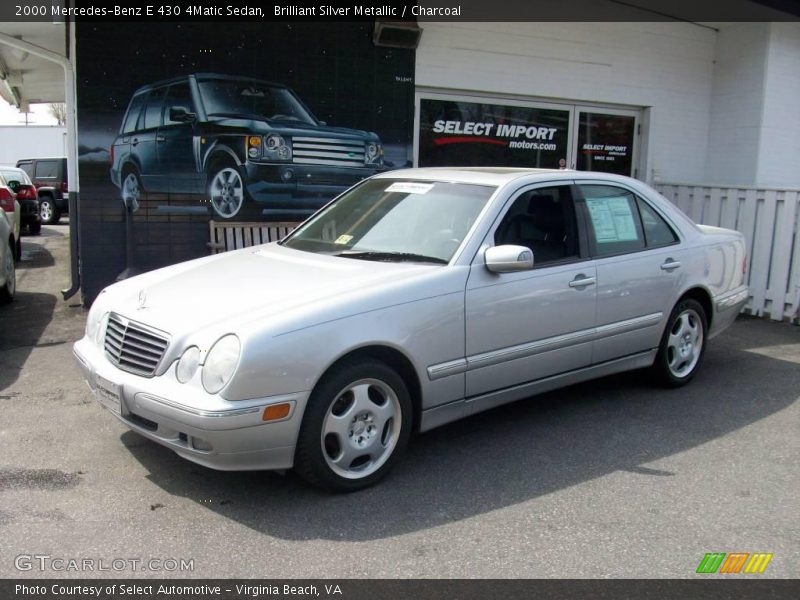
(234, 139)
(49, 175)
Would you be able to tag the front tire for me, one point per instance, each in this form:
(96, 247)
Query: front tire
(356, 426)
(48, 211)
(682, 346)
(8, 290)
(226, 190)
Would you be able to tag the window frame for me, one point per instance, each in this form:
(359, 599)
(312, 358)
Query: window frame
(593, 249)
(580, 225)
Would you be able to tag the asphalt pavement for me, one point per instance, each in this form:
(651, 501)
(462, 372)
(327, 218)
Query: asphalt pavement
(613, 478)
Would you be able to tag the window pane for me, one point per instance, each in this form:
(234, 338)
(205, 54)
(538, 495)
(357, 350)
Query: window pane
(544, 221)
(614, 219)
(656, 230)
(178, 95)
(605, 143)
(46, 169)
(27, 167)
(133, 113)
(152, 116)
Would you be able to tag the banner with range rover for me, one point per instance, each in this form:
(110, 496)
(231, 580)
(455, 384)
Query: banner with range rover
(460, 133)
(182, 123)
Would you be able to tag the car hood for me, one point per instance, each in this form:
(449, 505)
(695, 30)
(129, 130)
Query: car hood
(294, 128)
(262, 284)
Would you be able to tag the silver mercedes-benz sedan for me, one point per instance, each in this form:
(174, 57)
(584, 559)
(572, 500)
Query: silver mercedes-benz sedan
(414, 299)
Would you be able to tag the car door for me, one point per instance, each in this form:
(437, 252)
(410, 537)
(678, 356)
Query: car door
(178, 151)
(528, 325)
(639, 266)
(143, 142)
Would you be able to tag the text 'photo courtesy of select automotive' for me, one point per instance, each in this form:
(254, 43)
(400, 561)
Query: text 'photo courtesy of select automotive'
(267, 123)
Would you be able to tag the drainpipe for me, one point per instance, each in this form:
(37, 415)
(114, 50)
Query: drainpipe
(72, 143)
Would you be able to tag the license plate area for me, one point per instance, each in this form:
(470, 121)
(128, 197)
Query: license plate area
(109, 394)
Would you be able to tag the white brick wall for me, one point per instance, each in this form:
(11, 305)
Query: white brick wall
(666, 66)
(779, 146)
(737, 103)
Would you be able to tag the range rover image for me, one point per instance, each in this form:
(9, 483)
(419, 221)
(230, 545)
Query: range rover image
(233, 140)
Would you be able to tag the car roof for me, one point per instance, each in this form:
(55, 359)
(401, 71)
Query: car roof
(495, 176)
(204, 76)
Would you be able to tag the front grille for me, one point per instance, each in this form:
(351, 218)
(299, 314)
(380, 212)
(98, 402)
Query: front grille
(324, 151)
(134, 347)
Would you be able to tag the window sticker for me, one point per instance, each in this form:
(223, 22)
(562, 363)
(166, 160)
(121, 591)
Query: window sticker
(410, 187)
(612, 219)
(343, 239)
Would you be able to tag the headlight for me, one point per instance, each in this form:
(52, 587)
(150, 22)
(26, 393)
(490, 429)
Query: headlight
(221, 363)
(277, 148)
(95, 319)
(187, 365)
(373, 152)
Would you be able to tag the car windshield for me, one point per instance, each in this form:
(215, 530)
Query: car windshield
(232, 98)
(394, 220)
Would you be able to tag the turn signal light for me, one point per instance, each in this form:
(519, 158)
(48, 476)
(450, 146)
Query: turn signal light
(255, 141)
(276, 411)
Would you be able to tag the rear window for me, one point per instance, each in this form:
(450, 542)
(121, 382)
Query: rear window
(27, 167)
(47, 169)
(20, 176)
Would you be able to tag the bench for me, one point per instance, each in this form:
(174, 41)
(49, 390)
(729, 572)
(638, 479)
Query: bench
(229, 235)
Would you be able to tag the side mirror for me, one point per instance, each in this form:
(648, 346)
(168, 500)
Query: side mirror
(181, 114)
(14, 185)
(508, 259)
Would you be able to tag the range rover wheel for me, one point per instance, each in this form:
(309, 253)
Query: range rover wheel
(131, 190)
(356, 426)
(8, 289)
(48, 212)
(226, 191)
(682, 344)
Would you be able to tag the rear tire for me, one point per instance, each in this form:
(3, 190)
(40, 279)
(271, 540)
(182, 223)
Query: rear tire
(682, 346)
(355, 428)
(48, 211)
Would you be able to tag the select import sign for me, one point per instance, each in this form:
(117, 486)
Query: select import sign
(460, 133)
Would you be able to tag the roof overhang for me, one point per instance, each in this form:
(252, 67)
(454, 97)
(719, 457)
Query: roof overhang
(26, 78)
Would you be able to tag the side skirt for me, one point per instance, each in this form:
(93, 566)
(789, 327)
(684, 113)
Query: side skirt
(459, 409)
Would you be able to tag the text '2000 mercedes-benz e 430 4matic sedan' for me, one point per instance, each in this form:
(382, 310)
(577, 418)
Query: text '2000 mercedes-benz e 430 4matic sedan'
(415, 298)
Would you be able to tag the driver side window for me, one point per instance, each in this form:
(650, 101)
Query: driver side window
(542, 220)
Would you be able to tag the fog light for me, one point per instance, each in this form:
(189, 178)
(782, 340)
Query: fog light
(276, 411)
(287, 175)
(201, 444)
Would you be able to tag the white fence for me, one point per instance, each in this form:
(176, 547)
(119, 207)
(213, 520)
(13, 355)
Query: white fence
(768, 218)
(228, 235)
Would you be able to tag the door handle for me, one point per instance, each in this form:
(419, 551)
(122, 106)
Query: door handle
(134, 141)
(670, 264)
(582, 281)
(161, 138)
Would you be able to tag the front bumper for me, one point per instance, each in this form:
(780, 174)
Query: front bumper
(291, 186)
(228, 436)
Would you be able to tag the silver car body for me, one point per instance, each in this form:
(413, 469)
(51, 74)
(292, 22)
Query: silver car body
(464, 338)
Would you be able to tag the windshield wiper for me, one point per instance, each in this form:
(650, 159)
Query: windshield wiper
(392, 256)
